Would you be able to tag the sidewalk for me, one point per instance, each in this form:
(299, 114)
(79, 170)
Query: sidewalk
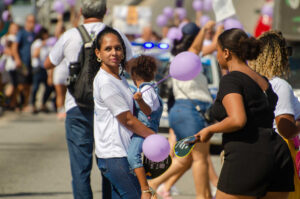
(34, 161)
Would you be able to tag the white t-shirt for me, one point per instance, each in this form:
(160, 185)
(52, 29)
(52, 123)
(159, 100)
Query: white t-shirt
(196, 89)
(111, 98)
(44, 52)
(68, 46)
(150, 97)
(9, 60)
(287, 102)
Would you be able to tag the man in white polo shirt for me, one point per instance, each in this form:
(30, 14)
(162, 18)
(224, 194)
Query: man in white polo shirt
(79, 121)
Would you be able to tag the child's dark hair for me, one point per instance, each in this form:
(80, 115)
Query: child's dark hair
(41, 33)
(238, 42)
(143, 66)
(97, 45)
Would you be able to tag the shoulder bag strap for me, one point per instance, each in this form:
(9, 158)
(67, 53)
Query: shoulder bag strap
(84, 34)
(198, 108)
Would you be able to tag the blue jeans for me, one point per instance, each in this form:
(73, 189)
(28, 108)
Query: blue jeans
(185, 120)
(40, 77)
(124, 183)
(80, 140)
(134, 152)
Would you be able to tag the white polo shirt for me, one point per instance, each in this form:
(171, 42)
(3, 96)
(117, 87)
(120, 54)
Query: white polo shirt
(111, 97)
(68, 46)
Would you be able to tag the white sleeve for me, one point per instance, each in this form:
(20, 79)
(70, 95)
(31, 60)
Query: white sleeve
(113, 99)
(150, 97)
(57, 52)
(35, 61)
(285, 99)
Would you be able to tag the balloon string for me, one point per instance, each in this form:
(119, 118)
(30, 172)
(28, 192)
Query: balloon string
(160, 81)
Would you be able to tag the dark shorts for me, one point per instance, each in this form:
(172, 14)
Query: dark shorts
(253, 168)
(24, 76)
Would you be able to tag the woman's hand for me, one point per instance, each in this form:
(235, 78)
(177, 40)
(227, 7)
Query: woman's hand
(209, 25)
(204, 135)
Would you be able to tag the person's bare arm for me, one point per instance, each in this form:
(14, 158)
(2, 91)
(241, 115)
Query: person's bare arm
(213, 46)
(59, 26)
(16, 55)
(287, 126)
(75, 17)
(197, 44)
(235, 120)
(48, 64)
(143, 106)
(134, 125)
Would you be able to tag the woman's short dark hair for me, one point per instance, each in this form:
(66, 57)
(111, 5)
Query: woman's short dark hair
(238, 42)
(189, 33)
(97, 45)
(143, 66)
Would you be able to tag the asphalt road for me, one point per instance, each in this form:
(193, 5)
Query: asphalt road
(34, 161)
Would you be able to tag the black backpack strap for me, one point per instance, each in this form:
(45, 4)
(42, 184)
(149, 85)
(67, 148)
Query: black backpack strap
(84, 34)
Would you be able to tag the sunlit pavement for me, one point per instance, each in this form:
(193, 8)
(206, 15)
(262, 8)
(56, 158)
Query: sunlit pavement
(34, 160)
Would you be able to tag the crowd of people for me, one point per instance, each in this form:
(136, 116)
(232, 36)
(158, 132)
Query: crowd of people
(25, 49)
(255, 107)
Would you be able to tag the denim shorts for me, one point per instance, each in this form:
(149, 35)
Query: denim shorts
(185, 120)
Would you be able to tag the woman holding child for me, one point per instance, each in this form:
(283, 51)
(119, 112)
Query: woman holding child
(114, 122)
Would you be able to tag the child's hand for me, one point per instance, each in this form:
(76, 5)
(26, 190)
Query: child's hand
(138, 96)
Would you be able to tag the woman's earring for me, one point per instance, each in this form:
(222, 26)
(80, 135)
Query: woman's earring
(99, 60)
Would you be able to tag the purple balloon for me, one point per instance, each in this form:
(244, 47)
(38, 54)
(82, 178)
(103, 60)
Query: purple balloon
(168, 12)
(174, 34)
(207, 5)
(59, 7)
(37, 28)
(203, 20)
(185, 66)
(161, 20)
(51, 41)
(5, 15)
(8, 2)
(232, 23)
(156, 148)
(267, 10)
(197, 5)
(71, 2)
(181, 13)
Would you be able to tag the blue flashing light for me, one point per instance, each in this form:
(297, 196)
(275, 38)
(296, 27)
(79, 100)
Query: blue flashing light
(163, 46)
(148, 45)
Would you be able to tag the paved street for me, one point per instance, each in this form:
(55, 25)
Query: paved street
(34, 160)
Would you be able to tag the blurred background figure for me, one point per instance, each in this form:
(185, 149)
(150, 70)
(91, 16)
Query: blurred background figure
(39, 52)
(22, 55)
(9, 77)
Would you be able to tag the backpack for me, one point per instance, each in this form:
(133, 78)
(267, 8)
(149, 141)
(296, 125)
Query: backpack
(82, 73)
